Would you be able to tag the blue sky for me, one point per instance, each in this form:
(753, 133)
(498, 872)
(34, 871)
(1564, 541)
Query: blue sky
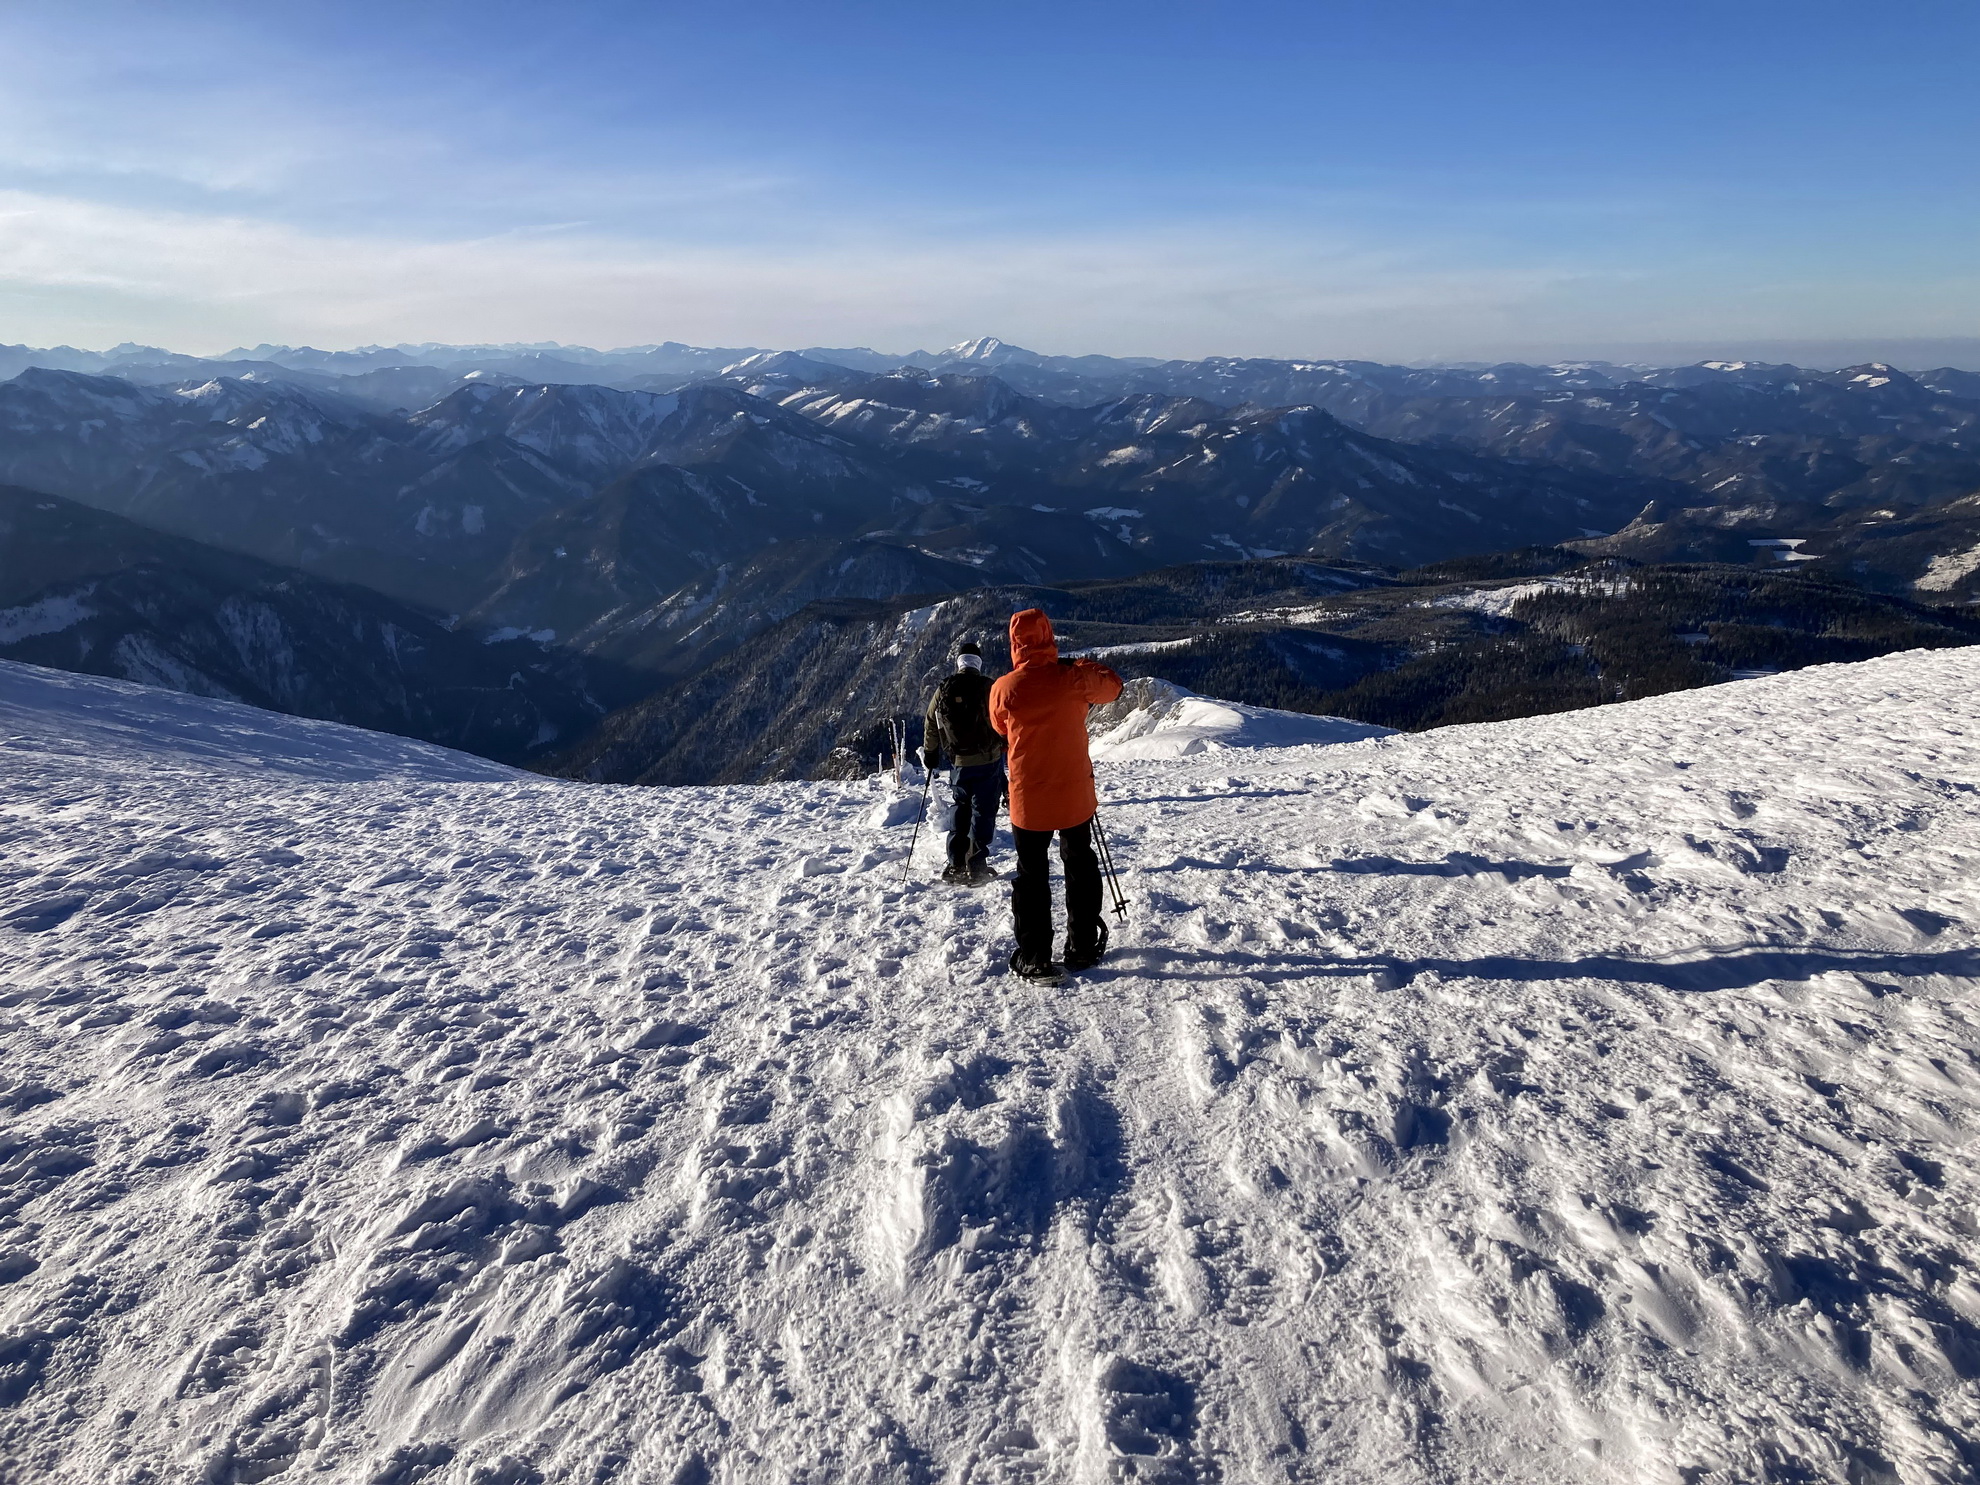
(1395, 181)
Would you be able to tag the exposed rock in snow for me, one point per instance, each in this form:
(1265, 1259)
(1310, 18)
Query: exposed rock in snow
(1585, 1098)
(1159, 719)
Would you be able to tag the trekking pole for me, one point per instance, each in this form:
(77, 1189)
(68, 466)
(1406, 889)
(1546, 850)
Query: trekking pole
(1107, 866)
(927, 778)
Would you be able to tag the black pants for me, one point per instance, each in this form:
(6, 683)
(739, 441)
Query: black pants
(1031, 892)
(977, 791)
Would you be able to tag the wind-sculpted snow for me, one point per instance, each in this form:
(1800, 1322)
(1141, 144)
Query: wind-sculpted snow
(1580, 1099)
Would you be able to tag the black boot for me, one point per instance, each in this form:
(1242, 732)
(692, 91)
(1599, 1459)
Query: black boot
(1038, 971)
(1085, 956)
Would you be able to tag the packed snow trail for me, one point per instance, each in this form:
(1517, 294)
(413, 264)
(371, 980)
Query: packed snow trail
(1584, 1098)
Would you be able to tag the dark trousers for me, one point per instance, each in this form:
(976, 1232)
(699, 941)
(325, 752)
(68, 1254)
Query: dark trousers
(1031, 892)
(977, 791)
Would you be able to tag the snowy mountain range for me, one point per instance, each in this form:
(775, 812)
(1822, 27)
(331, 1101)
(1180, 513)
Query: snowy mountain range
(635, 516)
(1585, 1097)
(468, 503)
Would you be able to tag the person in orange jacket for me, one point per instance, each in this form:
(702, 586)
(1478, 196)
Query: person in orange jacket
(1040, 709)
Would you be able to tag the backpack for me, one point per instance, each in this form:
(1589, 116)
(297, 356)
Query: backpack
(962, 709)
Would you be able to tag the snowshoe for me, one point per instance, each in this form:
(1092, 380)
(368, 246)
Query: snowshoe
(981, 875)
(1085, 957)
(1038, 971)
(957, 876)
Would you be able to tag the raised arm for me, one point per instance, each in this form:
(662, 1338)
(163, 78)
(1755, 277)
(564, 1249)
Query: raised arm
(1097, 683)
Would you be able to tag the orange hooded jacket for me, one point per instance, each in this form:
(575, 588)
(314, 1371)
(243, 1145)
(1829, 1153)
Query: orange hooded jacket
(1040, 708)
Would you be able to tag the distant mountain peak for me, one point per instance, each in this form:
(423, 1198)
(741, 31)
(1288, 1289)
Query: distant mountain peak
(1873, 374)
(983, 348)
(987, 350)
(778, 361)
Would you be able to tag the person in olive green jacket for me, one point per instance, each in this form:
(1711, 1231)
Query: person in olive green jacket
(958, 726)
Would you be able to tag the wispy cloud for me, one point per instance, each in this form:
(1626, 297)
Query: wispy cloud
(203, 281)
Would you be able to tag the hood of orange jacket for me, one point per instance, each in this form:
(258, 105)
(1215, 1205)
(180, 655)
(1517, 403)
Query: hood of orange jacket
(1032, 640)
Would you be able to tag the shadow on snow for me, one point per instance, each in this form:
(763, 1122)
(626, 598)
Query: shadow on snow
(1735, 969)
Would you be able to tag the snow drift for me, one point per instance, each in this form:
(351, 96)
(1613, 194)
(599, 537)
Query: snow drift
(1585, 1098)
(1159, 719)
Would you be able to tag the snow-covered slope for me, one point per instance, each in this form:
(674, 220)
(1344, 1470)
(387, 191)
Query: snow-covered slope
(53, 718)
(1588, 1098)
(1159, 719)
